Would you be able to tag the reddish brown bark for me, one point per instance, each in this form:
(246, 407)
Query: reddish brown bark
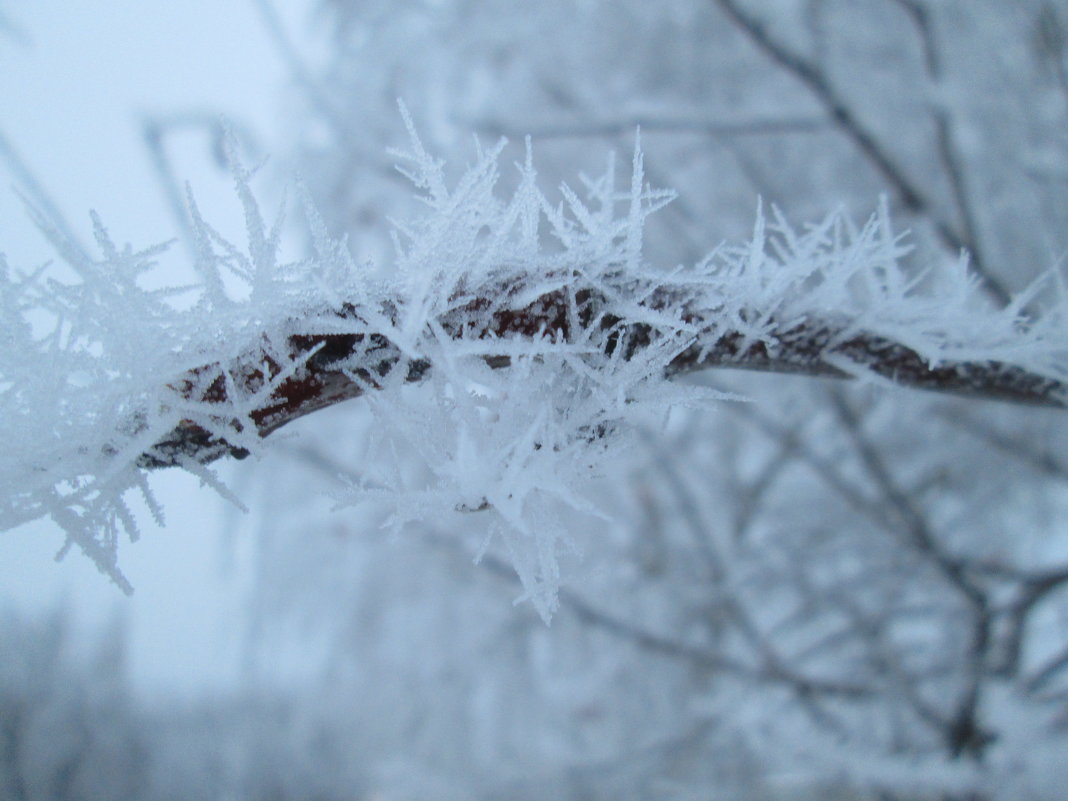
(339, 367)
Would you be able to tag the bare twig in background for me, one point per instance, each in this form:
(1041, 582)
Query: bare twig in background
(157, 129)
(963, 735)
(299, 71)
(908, 193)
(948, 152)
(1041, 459)
(37, 197)
(653, 124)
(1051, 41)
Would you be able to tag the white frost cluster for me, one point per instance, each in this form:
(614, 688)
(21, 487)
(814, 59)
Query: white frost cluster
(852, 279)
(518, 445)
(95, 371)
(91, 371)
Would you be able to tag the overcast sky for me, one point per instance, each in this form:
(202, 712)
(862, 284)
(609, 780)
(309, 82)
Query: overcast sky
(74, 96)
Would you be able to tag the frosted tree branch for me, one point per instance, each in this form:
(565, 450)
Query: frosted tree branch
(537, 335)
(817, 347)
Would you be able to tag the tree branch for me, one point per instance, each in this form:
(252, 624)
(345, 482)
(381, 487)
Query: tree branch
(653, 123)
(339, 367)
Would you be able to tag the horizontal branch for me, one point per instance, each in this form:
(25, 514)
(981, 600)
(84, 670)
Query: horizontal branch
(339, 367)
(823, 349)
(757, 126)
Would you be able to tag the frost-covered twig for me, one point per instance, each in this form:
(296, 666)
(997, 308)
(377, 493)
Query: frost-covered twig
(536, 333)
(821, 348)
(903, 337)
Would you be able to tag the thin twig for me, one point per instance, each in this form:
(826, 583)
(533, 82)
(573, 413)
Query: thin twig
(654, 124)
(695, 655)
(911, 196)
(38, 197)
(948, 153)
(964, 735)
(297, 68)
(1043, 460)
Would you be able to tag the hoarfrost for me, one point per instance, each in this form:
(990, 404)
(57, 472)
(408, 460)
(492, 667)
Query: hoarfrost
(548, 335)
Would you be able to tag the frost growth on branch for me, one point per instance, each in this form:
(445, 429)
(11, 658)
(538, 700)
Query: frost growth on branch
(851, 282)
(513, 346)
(95, 371)
(554, 292)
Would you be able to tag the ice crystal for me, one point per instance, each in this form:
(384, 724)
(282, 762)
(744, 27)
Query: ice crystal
(529, 337)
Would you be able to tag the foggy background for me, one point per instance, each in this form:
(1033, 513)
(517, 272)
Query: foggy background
(776, 612)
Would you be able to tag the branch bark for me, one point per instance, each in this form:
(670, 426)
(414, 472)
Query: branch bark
(339, 367)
